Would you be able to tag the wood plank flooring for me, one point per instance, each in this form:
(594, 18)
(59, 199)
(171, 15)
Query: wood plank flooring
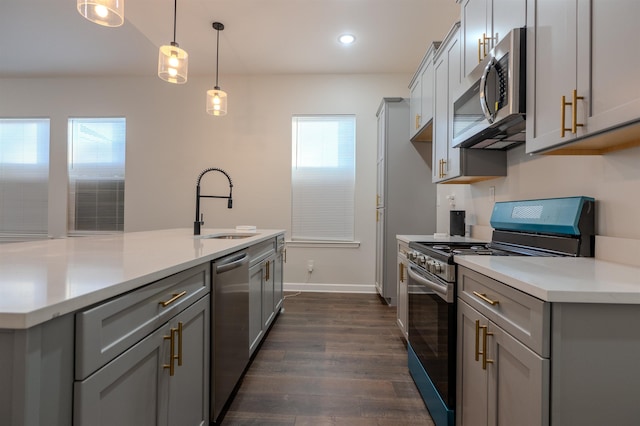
(330, 359)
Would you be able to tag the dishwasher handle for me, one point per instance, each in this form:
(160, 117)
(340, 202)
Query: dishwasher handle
(232, 262)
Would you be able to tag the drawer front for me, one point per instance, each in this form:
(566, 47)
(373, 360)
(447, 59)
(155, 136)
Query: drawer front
(105, 331)
(260, 251)
(521, 315)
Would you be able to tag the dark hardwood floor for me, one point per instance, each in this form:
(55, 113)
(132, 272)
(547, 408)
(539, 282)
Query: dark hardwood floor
(330, 359)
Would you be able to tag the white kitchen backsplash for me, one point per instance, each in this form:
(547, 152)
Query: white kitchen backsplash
(613, 180)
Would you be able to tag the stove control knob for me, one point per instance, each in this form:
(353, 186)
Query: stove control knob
(422, 261)
(437, 267)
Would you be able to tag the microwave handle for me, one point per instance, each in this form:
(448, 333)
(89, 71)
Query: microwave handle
(483, 85)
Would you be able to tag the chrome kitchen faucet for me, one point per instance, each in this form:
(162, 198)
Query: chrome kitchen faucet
(199, 217)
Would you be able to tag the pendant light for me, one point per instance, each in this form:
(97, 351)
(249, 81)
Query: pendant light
(216, 98)
(173, 61)
(109, 13)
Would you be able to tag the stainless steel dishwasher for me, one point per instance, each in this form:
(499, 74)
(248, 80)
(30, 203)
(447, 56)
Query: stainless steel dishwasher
(230, 327)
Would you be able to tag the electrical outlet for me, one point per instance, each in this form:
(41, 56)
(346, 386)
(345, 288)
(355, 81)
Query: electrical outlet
(310, 266)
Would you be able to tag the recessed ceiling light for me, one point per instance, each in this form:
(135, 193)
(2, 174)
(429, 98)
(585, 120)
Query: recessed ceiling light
(347, 38)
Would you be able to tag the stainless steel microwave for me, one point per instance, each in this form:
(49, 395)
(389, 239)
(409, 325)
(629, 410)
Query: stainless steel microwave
(491, 113)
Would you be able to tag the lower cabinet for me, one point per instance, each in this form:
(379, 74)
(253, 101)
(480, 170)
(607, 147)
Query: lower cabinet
(501, 381)
(265, 289)
(161, 380)
(402, 309)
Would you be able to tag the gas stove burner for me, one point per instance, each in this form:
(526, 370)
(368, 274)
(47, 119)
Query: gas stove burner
(441, 247)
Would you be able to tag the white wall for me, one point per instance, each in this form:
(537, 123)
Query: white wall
(612, 179)
(170, 140)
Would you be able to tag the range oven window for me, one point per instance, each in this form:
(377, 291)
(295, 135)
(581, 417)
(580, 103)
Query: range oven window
(432, 328)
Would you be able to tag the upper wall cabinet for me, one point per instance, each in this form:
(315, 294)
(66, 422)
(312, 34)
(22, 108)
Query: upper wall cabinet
(456, 165)
(484, 24)
(421, 98)
(583, 79)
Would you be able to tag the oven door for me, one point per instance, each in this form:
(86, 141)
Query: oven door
(432, 329)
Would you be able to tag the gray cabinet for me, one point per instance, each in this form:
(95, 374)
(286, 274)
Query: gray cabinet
(278, 273)
(501, 381)
(143, 357)
(421, 98)
(484, 24)
(406, 200)
(402, 310)
(528, 362)
(262, 290)
(580, 51)
(161, 380)
(456, 165)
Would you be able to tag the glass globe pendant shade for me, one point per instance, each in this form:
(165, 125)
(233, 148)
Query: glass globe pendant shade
(216, 102)
(109, 13)
(173, 63)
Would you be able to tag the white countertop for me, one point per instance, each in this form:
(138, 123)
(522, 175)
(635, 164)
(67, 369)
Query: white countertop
(562, 279)
(41, 280)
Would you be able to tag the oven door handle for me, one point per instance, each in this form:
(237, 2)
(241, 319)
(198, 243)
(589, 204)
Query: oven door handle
(441, 290)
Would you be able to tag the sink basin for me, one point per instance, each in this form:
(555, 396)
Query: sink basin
(226, 236)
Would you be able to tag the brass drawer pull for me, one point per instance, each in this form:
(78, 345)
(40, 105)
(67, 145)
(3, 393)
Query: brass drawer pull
(401, 266)
(486, 299)
(175, 297)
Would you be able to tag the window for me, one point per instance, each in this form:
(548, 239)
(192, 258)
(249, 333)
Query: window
(323, 177)
(96, 174)
(24, 176)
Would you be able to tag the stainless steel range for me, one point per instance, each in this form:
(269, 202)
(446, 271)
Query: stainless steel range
(544, 227)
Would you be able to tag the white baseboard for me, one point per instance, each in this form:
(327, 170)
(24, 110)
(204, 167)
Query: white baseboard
(330, 288)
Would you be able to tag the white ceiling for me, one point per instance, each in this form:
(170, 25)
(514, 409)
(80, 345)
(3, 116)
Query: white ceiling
(49, 38)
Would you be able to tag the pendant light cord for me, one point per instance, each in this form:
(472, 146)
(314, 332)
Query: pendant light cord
(217, 53)
(175, 13)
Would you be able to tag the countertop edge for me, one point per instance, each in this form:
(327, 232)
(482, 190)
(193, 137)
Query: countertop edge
(25, 320)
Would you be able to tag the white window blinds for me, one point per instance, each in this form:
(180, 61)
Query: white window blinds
(96, 174)
(323, 177)
(24, 177)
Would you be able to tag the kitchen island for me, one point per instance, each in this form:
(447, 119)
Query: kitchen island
(140, 292)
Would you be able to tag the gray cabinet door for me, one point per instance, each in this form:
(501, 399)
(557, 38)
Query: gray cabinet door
(127, 391)
(188, 403)
(255, 306)
(268, 290)
(472, 380)
(519, 382)
(278, 290)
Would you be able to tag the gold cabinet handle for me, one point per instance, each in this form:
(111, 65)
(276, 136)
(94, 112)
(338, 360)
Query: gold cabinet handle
(417, 121)
(485, 333)
(172, 354)
(444, 168)
(477, 340)
(484, 44)
(479, 50)
(574, 117)
(574, 113)
(486, 299)
(179, 330)
(401, 267)
(563, 116)
(175, 297)
(284, 257)
(377, 216)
